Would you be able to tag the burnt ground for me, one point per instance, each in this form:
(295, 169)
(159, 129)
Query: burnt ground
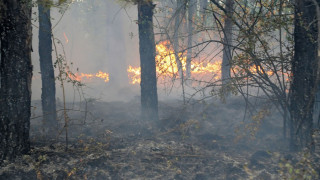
(204, 140)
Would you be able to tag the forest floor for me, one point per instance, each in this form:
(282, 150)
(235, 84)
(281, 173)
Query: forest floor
(204, 140)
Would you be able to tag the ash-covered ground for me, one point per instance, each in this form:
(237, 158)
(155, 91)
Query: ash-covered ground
(201, 140)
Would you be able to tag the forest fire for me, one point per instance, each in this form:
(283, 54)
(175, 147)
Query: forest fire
(228, 91)
(167, 66)
(134, 74)
(81, 76)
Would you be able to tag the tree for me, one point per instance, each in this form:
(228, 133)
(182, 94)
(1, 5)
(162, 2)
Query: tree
(203, 6)
(15, 77)
(48, 98)
(191, 9)
(227, 43)
(149, 97)
(304, 71)
(179, 14)
(258, 68)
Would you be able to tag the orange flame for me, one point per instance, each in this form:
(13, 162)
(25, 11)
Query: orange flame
(166, 65)
(254, 69)
(81, 76)
(203, 68)
(134, 74)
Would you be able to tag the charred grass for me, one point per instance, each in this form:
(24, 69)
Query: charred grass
(204, 140)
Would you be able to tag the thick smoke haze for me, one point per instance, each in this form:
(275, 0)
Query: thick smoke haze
(103, 36)
(229, 89)
(95, 36)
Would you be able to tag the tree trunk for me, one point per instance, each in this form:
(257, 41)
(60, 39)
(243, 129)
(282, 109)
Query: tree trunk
(203, 6)
(180, 11)
(177, 23)
(227, 41)
(304, 70)
(191, 9)
(15, 77)
(48, 96)
(149, 97)
(317, 3)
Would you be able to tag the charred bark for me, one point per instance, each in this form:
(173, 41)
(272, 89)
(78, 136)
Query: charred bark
(15, 77)
(304, 70)
(227, 41)
(149, 96)
(48, 96)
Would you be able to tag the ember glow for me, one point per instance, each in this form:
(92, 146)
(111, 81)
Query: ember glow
(82, 76)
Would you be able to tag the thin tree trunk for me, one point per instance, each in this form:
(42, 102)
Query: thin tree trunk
(180, 10)
(227, 40)
(149, 97)
(15, 77)
(203, 6)
(304, 70)
(48, 96)
(177, 23)
(191, 9)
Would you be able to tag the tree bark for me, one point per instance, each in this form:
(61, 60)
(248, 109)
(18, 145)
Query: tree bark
(48, 96)
(149, 97)
(191, 9)
(227, 41)
(177, 23)
(203, 6)
(180, 11)
(15, 77)
(304, 70)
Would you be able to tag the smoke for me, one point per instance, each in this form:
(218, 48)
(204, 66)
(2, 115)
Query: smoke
(95, 36)
(101, 35)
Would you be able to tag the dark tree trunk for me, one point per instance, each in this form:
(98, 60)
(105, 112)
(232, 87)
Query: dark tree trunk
(304, 70)
(15, 77)
(227, 40)
(191, 9)
(149, 97)
(48, 96)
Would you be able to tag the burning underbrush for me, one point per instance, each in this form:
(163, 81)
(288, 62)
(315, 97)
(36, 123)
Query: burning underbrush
(171, 66)
(204, 140)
